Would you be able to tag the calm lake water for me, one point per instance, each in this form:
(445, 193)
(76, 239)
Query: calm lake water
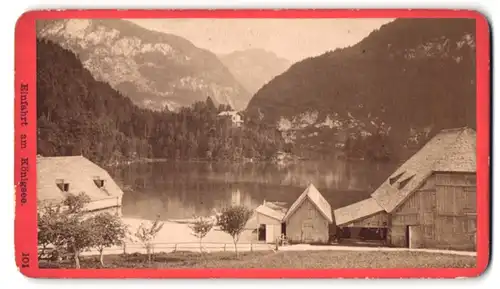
(183, 189)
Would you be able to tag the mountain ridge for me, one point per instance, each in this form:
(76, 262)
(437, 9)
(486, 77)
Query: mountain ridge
(154, 69)
(402, 83)
(254, 67)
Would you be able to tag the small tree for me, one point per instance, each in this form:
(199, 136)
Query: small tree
(77, 235)
(200, 228)
(50, 228)
(63, 225)
(232, 220)
(147, 234)
(75, 204)
(108, 230)
(76, 231)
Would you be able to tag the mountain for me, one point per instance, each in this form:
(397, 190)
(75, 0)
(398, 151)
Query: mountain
(254, 67)
(79, 115)
(154, 69)
(382, 97)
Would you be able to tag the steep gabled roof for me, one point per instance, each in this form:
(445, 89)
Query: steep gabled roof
(451, 150)
(356, 211)
(79, 173)
(316, 198)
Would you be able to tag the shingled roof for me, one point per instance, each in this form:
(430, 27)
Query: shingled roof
(316, 198)
(451, 150)
(79, 173)
(356, 211)
(270, 212)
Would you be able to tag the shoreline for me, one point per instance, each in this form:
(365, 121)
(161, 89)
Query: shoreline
(263, 162)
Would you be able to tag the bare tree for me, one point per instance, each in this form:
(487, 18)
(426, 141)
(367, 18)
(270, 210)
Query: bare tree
(201, 228)
(146, 235)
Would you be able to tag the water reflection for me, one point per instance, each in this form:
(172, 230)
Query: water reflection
(184, 189)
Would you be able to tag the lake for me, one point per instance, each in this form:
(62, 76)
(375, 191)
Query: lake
(176, 190)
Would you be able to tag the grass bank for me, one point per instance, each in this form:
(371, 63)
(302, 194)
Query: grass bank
(282, 259)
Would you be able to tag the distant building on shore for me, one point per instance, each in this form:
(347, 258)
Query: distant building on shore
(428, 202)
(234, 116)
(59, 177)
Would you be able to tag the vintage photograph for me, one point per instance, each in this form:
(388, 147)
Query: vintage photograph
(256, 143)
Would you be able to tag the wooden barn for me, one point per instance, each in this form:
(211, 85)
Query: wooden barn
(428, 202)
(309, 217)
(58, 177)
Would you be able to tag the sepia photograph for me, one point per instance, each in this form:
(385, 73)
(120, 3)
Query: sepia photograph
(297, 143)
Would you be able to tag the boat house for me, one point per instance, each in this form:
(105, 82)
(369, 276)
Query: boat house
(268, 218)
(58, 177)
(309, 217)
(428, 202)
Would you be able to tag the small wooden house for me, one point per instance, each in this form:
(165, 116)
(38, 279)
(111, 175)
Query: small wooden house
(428, 202)
(268, 218)
(309, 217)
(58, 177)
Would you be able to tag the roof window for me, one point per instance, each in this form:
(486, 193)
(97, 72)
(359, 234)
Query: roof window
(395, 178)
(62, 185)
(99, 182)
(404, 182)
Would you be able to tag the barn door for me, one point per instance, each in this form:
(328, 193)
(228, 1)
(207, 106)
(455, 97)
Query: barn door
(415, 239)
(307, 232)
(269, 233)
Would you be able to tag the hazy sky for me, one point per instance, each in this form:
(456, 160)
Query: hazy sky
(293, 39)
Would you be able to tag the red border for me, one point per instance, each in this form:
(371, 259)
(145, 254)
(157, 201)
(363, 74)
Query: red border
(25, 69)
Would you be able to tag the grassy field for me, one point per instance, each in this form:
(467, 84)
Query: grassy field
(269, 259)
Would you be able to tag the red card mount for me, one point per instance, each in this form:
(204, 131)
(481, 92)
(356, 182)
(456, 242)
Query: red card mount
(26, 232)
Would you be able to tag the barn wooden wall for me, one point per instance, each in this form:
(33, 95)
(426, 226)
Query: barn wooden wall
(307, 215)
(456, 211)
(442, 210)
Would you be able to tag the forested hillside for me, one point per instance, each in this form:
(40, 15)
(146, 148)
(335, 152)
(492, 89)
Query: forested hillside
(79, 115)
(381, 98)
